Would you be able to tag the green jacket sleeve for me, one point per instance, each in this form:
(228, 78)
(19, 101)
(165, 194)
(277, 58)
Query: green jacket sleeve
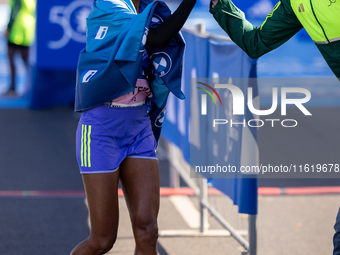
(280, 25)
(15, 9)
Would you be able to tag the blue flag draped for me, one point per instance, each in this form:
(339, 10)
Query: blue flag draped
(109, 65)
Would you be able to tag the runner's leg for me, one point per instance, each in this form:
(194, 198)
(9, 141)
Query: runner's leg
(140, 182)
(102, 197)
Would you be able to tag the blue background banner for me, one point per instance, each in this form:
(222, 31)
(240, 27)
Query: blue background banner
(61, 32)
(253, 10)
(60, 36)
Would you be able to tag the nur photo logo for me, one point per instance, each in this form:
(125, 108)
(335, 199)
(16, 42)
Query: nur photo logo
(242, 104)
(204, 97)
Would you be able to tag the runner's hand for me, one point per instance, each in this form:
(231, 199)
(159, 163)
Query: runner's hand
(213, 3)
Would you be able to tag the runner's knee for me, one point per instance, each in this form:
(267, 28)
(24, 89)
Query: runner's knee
(102, 244)
(145, 230)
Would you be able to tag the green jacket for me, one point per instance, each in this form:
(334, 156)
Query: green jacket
(280, 25)
(21, 25)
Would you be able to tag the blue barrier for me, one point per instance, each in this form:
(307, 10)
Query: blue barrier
(206, 58)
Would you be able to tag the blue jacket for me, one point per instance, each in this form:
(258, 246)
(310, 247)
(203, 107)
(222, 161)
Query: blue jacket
(109, 65)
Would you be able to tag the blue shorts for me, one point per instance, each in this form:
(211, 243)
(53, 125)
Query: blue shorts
(108, 135)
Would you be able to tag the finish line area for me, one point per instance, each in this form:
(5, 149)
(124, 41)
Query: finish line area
(42, 200)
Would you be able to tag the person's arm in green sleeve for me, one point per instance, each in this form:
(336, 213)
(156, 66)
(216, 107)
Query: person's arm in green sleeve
(280, 25)
(15, 9)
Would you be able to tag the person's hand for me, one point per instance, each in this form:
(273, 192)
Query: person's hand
(213, 3)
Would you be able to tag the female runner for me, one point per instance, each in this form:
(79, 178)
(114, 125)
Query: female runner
(132, 58)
